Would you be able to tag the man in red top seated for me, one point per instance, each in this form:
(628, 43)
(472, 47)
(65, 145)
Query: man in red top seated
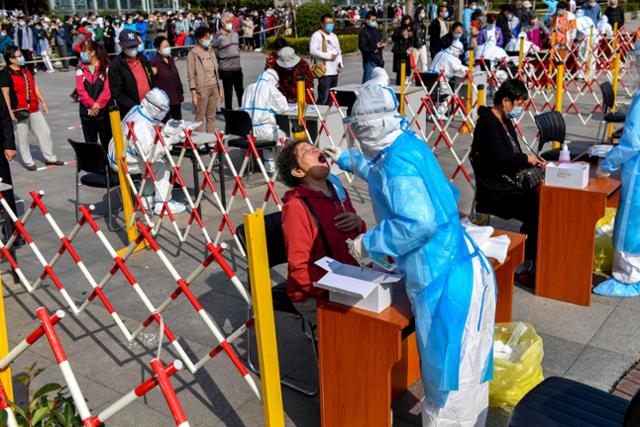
(316, 197)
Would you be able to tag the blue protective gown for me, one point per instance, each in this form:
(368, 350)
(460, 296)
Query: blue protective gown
(626, 231)
(419, 226)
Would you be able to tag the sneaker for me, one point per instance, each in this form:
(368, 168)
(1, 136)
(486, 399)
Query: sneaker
(176, 207)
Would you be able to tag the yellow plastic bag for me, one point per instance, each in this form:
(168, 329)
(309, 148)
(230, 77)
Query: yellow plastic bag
(603, 258)
(517, 373)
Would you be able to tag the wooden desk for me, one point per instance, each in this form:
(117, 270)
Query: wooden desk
(566, 241)
(368, 359)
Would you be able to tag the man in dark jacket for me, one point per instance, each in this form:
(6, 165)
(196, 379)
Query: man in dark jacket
(130, 75)
(370, 44)
(8, 146)
(502, 22)
(615, 13)
(437, 30)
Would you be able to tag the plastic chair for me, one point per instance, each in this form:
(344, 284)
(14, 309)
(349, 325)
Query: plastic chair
(551, 127)
(91, 158)
(277, 254)
(608, 101)
(559, 402)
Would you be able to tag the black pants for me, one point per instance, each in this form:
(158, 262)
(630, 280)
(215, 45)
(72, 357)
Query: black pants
(5, 174)
(325, 83)
(97, 131)
(175, 112)
(232, 80)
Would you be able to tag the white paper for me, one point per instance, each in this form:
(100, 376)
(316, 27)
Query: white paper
(351, 280)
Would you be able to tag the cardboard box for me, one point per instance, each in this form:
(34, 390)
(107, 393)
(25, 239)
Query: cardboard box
(567, 175)
(359, 287)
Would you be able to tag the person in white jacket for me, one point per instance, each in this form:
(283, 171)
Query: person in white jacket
(324, 47)
(604, 28)
(262, 100)
(145, 117)
(449, 64)
(493, 55)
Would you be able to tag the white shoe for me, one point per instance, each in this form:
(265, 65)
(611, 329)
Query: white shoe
(175, 207)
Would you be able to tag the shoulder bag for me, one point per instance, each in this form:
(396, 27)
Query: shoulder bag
(323, 237)
(23, 113)
(526, 179)
(319, 69)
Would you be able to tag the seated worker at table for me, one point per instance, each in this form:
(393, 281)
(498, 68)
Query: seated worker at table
(316, 197)
(145, 117)
(289, 66)
(262, 100)
(497, 158)
(626, 231)
(449, 281)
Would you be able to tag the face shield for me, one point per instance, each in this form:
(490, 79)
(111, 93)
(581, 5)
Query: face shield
(374, 122)
(156, 104)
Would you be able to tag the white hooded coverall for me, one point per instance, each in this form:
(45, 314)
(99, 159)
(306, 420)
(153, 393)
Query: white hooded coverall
(262, 100)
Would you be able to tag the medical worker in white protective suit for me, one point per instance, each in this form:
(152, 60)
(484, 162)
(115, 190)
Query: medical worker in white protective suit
(626, 231)
(145, 117)
(514, 46)
(604, 28)
(262, 100)
(448, 63)
(493, 56)
(586, 30)
(449, 282)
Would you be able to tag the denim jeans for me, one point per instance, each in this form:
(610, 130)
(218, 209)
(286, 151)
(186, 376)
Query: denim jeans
(368, 68)
(325, 83)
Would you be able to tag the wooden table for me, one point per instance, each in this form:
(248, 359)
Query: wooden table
(368, 359)
(566, 238)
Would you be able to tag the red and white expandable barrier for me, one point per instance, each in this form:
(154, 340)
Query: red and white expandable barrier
(169, 394)
(5, 406)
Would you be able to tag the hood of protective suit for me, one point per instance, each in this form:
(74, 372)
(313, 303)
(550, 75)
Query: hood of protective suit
(456, 48)
(155, 104)
(379, 76)
(374, 119)
(271, 76)
(604, 19)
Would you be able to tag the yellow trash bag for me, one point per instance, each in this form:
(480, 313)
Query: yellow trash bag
(603, 258)
(517, 363)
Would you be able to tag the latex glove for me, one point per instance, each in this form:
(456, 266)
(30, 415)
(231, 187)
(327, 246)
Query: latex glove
(333, 153)
(357, 251)
(601, 173)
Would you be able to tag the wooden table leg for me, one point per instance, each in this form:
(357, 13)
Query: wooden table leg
(504, 277)
(356, 357)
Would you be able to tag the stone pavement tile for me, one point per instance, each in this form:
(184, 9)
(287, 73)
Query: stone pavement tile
(209, 395)
(140, 415)
(600, 368)
(560, 319)
(630, 303)
(617, 334)
(498, 417)
(559, 354)
(97, 394)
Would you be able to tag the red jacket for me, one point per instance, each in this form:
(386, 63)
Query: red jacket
(303, 242)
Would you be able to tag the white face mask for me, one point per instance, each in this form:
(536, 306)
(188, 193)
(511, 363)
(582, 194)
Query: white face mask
(165, 51)
(131, 53)
(228, 27)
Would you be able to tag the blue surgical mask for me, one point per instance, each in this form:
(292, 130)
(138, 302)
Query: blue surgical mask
(206, 43)
(515, 113)
(140, 48)
(457, 36)
(330, 27)
(84, 57)
(446, 14)
(491, 26)
(373, 24)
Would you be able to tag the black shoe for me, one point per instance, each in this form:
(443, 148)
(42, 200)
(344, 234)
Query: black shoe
(31, 167)
(55, 163)
(526, 278)
(19, 242)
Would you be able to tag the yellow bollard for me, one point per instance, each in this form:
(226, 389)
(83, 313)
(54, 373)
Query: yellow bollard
(481, 96)
(559, 89)
(298, 130)
(588, 59)
(552, 57)
(616, 76)
(467, 127)
(403, 75)
(260, 277)
(5, 376)
(521, 55)
(615, 36)
(125, 191)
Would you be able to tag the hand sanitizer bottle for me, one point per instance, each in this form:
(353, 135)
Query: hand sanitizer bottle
(565, 154)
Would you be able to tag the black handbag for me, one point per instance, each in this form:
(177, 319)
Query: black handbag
(527, 179)
(21, 115)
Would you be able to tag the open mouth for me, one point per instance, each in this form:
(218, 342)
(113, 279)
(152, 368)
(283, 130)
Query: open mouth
(322, 158)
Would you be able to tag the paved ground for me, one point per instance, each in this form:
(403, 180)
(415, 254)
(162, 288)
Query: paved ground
(593, 344)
